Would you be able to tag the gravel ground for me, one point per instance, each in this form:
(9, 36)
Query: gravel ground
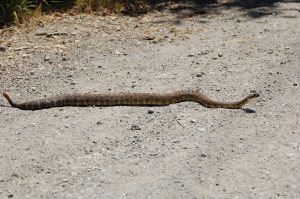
(179, 151)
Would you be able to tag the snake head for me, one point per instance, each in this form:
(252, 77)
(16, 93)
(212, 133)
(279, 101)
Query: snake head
(254, 95)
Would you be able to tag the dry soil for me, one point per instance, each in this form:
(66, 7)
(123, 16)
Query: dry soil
(179, 151)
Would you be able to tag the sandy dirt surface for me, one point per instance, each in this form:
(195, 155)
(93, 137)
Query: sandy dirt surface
(179, 151)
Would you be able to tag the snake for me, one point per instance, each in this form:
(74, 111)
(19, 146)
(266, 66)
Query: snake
(127, 99)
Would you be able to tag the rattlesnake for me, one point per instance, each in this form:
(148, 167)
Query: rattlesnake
(126, 99)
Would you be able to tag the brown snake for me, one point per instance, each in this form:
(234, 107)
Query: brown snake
(126, 99)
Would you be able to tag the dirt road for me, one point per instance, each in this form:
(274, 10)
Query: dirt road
(180, 151)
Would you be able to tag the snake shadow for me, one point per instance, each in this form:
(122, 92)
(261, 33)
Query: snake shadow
(248, 110)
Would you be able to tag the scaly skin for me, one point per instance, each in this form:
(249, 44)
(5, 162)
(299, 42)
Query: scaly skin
(127, 99)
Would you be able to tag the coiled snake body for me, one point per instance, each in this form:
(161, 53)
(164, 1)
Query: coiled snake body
(126, 99)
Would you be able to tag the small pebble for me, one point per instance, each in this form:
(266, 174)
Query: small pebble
(65, 180)
(193, 121)
(88, 151)
(200, 74)
(46, 58)
(282, 62)
(201, 129)
(295, 84)
(2, 48)
(20, 48)
(203, 155)
(203, 20)
(150, 111)
(135, 127)
(10, 195)
(149, 37)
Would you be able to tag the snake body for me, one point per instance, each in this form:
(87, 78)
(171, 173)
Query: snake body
(126, 99)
